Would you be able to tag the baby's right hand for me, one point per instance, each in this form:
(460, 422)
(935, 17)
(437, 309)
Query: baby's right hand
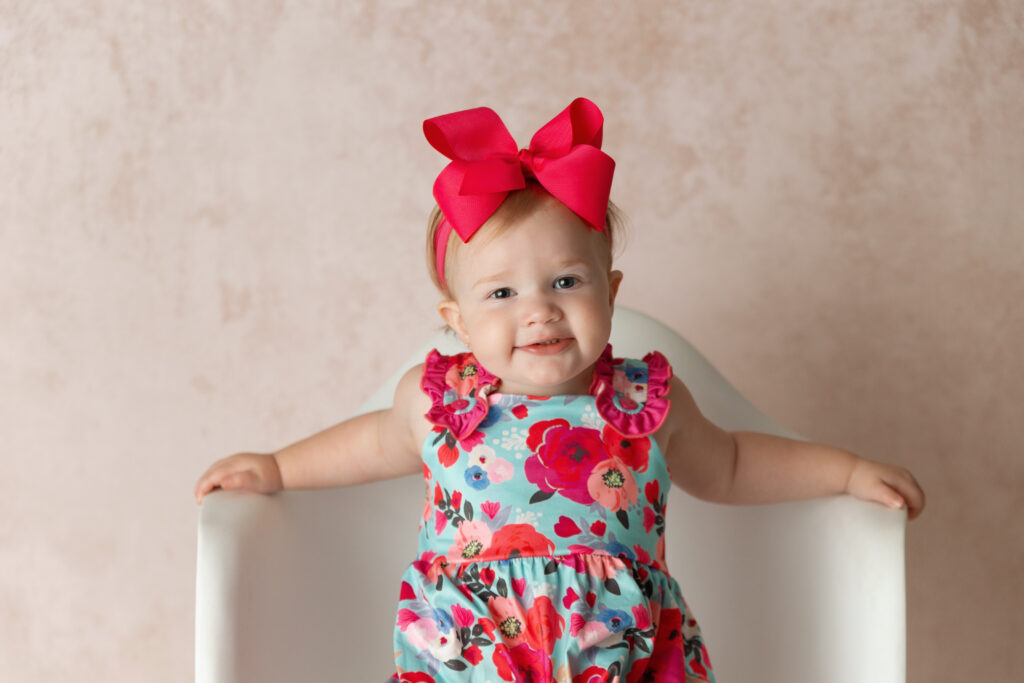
(257, 472)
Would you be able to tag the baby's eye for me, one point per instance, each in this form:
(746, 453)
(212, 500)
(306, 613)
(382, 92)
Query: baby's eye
(567, 282)
(503, 293)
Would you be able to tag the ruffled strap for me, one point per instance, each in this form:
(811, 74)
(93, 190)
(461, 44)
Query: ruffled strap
(632, 395)
(458, 387)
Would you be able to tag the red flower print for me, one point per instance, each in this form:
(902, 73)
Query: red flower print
(649, 519)
(653, 490)
(503, 663)
(448, 454)
(665, 665)
(642, 556)
(570, 597)
(438, 494)
(593, 674)
(488, 626)
(597, 528)
(632, 452)
(563, 458)
(530, 666)
(407, 592)
(473, 655)
(566, 527)
(487, 576)
(521, 539)
(544, 625)
(462, 377)
(456, 500)
(520, 411)
(415, 677)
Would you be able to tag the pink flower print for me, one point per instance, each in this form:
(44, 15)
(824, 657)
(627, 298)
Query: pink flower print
(563, 458)
(463, 617)
(519, 586)
(588, 633)
(642, 556)
(510, 620)
(520, 411)
(490, 508)
(570, 597)
(471, 540)
(612, 485)
(429, 565)
(487, 576)
(440, 522)
(642, 617)
(497, 469)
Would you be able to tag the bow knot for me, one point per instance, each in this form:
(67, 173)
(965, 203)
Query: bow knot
(526, 162)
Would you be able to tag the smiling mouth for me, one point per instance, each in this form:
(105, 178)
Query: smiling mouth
(548, 345)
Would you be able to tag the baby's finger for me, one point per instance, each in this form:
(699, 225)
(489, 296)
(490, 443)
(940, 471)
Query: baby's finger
(907, 487)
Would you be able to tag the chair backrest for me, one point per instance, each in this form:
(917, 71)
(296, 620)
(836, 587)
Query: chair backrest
(304, 585)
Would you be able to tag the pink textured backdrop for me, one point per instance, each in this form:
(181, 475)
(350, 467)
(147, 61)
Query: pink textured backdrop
(210, 239)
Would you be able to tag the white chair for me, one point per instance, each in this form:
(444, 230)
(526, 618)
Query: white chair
(303, 586)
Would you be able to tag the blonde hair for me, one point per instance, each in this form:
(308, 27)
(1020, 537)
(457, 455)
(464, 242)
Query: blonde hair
(517, 205)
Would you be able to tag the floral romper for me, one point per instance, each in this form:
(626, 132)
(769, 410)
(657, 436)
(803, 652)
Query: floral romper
(542, 549)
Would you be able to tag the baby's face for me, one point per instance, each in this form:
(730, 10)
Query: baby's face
(534, 303)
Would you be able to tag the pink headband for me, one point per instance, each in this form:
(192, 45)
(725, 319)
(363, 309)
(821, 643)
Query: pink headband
(564, 156)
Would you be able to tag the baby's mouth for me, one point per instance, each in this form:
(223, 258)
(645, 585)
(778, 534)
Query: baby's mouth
(548, 345)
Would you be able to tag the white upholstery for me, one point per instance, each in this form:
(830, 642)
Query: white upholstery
(303, 586)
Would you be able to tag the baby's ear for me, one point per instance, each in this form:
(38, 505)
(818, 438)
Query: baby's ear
(614, 280)
(452, 314)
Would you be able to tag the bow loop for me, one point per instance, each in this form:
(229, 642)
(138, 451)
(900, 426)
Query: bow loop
(470, 135)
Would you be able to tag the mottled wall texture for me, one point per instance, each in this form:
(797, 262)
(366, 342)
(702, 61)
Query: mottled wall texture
(211, 218)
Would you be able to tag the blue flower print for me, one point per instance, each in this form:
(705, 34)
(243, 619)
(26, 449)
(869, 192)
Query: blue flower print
(477, 478)
(615, 619)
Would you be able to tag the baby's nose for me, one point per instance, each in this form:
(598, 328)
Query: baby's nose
(539, 310)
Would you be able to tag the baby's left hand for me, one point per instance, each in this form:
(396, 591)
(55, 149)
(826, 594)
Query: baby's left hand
(887, 484)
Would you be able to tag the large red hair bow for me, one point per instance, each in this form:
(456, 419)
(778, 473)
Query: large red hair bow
(564, 156)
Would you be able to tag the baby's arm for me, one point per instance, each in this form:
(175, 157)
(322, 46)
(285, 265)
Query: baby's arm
(751, 468)
(380, 445)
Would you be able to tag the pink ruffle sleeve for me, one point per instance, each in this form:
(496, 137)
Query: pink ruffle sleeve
(458, 387)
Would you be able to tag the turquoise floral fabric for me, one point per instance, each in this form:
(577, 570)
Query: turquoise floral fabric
(541, 549)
